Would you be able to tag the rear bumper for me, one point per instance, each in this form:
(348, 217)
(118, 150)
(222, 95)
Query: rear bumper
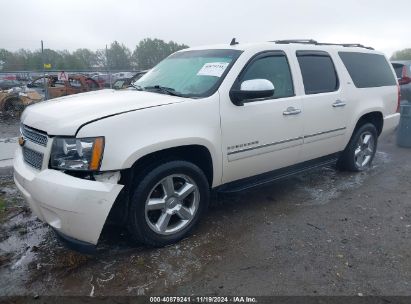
(390, 123)
(74, 207)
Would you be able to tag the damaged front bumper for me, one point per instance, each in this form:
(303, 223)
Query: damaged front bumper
(75, 208)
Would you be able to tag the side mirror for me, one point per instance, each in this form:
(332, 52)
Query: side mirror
(252, 89)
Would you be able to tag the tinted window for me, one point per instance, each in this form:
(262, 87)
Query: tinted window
(368, 70)
(317, 69)
(274, 69)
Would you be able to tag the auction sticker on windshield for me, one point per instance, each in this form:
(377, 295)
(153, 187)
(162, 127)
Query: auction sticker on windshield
(213, 69)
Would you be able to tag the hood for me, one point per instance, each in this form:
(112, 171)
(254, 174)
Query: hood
(63, 116)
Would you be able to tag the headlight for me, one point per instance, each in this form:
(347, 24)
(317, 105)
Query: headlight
(81, 154)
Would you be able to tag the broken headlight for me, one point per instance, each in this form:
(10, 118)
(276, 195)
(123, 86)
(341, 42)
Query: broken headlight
(79, 154)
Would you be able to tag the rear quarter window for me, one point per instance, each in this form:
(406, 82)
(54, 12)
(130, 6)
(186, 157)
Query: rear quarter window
(368, 70)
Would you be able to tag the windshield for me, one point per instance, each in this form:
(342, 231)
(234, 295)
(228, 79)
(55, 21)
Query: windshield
(190, 73)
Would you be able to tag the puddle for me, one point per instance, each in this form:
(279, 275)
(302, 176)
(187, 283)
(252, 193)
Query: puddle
(321, 186)
(9, 125)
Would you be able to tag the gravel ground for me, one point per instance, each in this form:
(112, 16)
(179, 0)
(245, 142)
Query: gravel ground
(319, 233)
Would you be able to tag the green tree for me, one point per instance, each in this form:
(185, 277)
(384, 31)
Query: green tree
(85, 58)
(149, 52)
(118, 56)
(5, 58)
(404, 54)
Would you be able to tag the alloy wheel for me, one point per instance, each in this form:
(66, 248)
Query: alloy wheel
(171, 204)
(364, 150)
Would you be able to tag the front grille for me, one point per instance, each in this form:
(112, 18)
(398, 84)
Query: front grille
(34, 135)
(33, 158)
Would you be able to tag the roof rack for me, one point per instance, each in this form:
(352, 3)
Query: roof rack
(304, 41)
(357, 45)
(314, 42)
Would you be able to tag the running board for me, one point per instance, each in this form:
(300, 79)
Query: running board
(266, 178)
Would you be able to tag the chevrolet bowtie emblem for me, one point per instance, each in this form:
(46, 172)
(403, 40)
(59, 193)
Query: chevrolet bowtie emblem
(22, 141)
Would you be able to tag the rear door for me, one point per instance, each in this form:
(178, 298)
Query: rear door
(325, 108)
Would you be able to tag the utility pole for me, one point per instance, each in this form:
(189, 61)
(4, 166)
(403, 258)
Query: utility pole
(45, 83)
(108, 66)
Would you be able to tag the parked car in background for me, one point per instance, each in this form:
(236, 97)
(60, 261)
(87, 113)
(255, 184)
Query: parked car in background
(123, 83)
(10, 77)
(403, 71)
(122, 75)
(103, 80)
(227, 118)
(56, 88)
(8, 84)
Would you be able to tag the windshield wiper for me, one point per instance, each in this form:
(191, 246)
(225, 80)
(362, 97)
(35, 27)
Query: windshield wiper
(137, 87)
(165, 90)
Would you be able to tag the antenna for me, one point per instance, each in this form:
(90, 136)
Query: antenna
(233, 42)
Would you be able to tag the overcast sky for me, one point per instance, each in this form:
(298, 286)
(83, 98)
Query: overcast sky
(72, 24)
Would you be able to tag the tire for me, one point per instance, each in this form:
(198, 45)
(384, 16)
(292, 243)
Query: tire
(360, 151)
(161, 214)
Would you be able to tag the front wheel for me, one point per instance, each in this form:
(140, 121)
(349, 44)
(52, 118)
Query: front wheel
(360, 151)
(167, 203)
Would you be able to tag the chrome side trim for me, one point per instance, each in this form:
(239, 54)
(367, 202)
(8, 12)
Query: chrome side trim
(324, 132)
(285, 141)
(266, 145)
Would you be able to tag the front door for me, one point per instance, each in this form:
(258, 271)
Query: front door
(263, 134)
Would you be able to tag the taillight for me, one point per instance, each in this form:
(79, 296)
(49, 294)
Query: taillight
(399, 98)
(405, 79)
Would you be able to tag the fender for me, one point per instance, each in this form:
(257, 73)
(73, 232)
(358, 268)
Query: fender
(132, 135)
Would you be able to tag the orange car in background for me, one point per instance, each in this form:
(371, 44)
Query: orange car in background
(56, 88)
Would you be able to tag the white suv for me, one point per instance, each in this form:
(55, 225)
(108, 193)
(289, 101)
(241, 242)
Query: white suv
(224, 117)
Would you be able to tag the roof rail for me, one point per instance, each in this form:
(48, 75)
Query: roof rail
(314, 42)
(357, 45)
(306, 41)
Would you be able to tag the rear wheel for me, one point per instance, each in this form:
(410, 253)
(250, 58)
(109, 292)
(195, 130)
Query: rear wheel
(167, 203)
(360, 151)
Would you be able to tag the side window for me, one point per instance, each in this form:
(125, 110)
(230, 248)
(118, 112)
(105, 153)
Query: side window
(39, 83)
(274, 68)
(318, 71)
(75, 83)
(368, 70)
(58, 84)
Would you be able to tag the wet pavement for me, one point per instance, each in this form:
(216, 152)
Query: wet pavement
(9, 130)
(319, 233)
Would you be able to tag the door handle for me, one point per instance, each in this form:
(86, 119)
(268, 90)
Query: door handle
(339, 104)
(291, 111)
